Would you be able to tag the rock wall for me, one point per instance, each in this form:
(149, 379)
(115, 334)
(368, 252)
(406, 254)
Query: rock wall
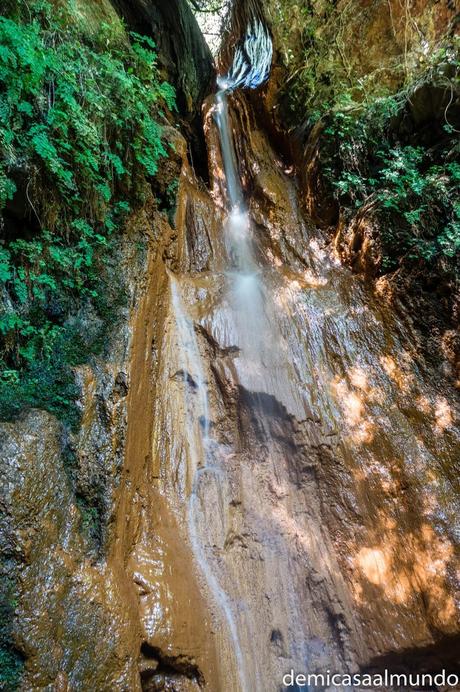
(326, 511)
(328, 529)
(71, 622)
(314, 523)
(368, 47)
(69, 603)
(183, 56)
(93, 608)
(349, 58)
(183, 53)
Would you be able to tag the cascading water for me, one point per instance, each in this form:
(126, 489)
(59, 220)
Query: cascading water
(274, 366)
(250, 322)
(251, 319)
(252, 60)
(252, 309)
(196, 433)
(245, 289)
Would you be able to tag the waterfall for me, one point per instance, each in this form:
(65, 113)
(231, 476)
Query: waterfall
(253, 312)
(278, 365)
(228, 155)
(252, 320)
(196, 428)
(250, 315)
(252, 60)
(250, 68)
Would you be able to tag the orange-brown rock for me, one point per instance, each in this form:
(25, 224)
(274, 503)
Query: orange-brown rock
(301, 514)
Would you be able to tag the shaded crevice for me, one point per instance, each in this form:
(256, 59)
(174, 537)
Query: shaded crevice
(267, 404)
(183, 57)
(157, 669)
(184, 376)
(217, 350)
(443, 654)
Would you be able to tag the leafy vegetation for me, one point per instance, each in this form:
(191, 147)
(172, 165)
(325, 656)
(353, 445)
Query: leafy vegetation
(315, 70)
(414, 189)
(375, 153)
(80, 133)
(81, 116)
(331, 62)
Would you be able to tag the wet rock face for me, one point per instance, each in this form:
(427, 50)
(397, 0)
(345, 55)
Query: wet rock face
(319, 507)
(381, 474)
(72, 620)
(276, 492)
(313, 521)
(65, 602)
(85, 541)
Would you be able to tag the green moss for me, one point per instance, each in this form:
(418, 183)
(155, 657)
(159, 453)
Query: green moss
(11, 666)
(91, 522)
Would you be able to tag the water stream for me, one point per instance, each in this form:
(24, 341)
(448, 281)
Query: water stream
(252, 321)
(196, 427)
(292, 419)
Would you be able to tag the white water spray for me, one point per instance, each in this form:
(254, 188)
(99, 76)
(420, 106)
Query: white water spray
(253, 313)
(252, 60)
(251, 67)
(196, 428)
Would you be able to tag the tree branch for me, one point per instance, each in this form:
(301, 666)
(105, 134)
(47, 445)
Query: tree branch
(199, 8)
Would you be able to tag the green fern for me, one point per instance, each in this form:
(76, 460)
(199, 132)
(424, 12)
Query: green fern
(80, 124)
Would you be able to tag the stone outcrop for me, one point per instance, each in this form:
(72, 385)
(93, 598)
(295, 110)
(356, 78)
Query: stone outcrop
(72, 624)
(182, 51)
(184, 58)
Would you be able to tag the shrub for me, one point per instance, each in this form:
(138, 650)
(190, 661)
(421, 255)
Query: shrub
(413, 188)
(80, 131)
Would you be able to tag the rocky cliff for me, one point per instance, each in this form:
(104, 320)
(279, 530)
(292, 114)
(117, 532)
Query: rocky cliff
(370, 92)
(70, 603)
(218, 517)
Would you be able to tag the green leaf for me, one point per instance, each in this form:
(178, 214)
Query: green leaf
(5, 267)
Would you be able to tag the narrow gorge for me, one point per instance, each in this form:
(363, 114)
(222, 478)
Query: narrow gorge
(250, 466)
